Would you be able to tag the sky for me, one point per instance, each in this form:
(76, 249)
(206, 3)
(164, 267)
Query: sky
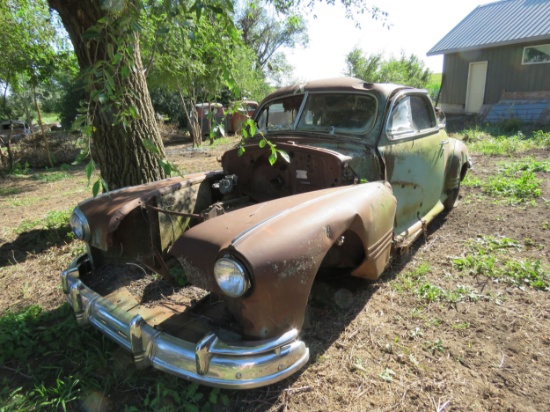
(415, 27)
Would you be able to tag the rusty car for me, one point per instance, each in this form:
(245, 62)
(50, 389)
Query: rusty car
(210, 116)
(362, 169)
(240, 113)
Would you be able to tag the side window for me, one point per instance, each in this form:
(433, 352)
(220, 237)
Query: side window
(401, 123)
(411, 115)
(422, 113)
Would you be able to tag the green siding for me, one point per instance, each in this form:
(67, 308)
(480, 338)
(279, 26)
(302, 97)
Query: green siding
(504, 72)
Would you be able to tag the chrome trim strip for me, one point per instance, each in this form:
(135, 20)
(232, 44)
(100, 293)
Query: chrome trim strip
(211, 362)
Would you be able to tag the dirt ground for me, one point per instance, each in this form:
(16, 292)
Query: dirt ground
(374, 345)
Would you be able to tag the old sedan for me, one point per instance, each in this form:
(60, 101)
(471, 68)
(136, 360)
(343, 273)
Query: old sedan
(369, 166)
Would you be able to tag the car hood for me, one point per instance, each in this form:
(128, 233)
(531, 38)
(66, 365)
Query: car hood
(105, 213)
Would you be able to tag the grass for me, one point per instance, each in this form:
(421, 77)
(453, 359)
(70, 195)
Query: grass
(427, 292)
(50, 177)
(492, 257)
(75, 369)
(53, 220)
(9, 191)
(516, 182)
(491, 142)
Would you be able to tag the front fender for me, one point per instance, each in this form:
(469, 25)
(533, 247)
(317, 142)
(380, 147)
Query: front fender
(283, 243)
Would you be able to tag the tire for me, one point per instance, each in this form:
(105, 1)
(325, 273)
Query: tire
(453, 200)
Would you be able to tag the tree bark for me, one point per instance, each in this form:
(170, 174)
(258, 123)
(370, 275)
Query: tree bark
(121, 153)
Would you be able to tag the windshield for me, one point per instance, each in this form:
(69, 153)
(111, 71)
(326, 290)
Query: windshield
(322, 112)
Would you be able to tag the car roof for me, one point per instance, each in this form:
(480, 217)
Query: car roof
(349, 84)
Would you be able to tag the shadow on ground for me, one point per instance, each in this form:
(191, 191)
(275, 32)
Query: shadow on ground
(32, 242)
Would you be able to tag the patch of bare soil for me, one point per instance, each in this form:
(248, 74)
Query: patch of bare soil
(374, 345)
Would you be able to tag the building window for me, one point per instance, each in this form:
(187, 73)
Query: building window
(536, 54)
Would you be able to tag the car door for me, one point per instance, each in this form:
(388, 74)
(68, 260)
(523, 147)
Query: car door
(414, 150)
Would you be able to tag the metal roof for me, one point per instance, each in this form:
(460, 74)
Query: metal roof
(498, 24)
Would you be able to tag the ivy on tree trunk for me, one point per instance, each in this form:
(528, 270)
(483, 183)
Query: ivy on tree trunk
(119, 146)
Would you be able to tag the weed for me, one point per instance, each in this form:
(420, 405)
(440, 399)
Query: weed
(55, 219)
(434, 346)
(387, 375)
(51, 177)
(471, 181)
(20, 170)
(527, 272)
(490, 141)
(24, 201)
(489, 257)
(461, 326)
(541, 139)
(78, 358)
(519, 190)
(8, 191)
(525, 165)
(17, 334)
(408, 280)
(58, 396)
(416, 332)
(430, 293)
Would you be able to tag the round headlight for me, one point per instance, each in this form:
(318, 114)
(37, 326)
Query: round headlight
(231, 277)
(79, 224)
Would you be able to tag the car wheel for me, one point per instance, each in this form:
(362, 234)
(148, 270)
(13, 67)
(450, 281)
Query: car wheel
(453, 200)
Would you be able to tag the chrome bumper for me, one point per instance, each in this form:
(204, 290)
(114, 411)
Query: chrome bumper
(210, 362)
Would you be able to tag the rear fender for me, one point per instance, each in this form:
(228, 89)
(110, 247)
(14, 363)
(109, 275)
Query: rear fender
(459, 162)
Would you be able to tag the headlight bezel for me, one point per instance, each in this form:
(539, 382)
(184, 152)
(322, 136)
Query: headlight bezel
(79, 225)
(235, 284)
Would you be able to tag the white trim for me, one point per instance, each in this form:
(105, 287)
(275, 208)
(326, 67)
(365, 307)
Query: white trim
(523, 63)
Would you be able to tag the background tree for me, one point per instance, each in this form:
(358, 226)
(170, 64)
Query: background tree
(195, 58)
(266, 34)
(105, 36)
(409, 71)
(30, 56)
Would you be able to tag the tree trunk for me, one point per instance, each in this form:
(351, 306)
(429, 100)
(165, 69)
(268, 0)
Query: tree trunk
(41, 124)
(121, 152)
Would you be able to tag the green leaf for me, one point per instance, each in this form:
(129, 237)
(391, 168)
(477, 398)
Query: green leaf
(241, 151)
(125, 72)
(96, 187)
(262, 143)
(134, 112)
(150, 146)
(273, 157)
(166, 166)
(88, 130)
(284, 155)
(252, 126)
(103, 98)
(90, 167)
(91, 34)
(105, 185)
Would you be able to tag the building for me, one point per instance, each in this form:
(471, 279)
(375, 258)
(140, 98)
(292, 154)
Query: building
(497, 62)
